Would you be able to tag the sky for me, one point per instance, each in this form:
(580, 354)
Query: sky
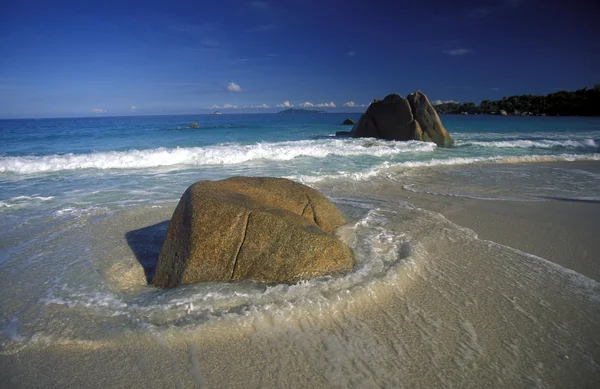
(104, 58)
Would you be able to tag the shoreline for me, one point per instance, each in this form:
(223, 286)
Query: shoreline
(563, 231)
(463, 312)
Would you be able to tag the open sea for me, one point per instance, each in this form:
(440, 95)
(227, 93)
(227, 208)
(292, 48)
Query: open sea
(85, 204)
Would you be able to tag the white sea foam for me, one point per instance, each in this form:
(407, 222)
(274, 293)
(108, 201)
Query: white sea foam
(23, 201)
(531, 144)
(42, 198)
(226, 154)
(77, 212)
(380, 169)
(380, 254)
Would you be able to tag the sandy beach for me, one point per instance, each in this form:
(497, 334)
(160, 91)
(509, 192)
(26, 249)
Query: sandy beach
(560, 230)
(465, 311)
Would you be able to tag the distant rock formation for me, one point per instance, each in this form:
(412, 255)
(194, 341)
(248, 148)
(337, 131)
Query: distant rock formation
(349, 122)
(263, 229)
(194, 125)
(216, 113)
(390, 118)
(300, 111)
(396, 118)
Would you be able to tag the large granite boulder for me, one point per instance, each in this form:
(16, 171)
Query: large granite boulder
(390, 119)
(349, 122)
(429, 121)
(263, 229)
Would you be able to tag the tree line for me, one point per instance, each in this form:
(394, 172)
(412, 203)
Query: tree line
(582, 102)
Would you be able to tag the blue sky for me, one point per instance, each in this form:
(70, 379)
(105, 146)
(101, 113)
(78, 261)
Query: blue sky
(139, 58)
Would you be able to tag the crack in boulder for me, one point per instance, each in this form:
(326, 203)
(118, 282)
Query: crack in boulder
(235, 261)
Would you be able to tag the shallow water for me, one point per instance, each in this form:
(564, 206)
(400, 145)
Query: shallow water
(429, 304)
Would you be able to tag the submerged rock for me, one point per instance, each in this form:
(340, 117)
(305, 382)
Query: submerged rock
(194, 125)
(263, 229)
(349, 122)
(428, 120)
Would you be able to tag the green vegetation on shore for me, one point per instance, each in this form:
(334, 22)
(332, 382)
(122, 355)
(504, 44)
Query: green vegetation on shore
(582, 102)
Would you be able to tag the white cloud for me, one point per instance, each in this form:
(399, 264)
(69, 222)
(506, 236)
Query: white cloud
(132, 108)
(258, 106)
(351, 54)
(455, 52)
(285, 104)
(234, 106)
(98, 110)
(331, 104)
(233, 87)
(306, 104)
(225, 106)
(438, 102)
(353, 104)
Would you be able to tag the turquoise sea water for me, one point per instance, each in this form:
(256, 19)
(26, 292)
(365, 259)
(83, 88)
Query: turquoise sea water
(54, 164)
(84, 201)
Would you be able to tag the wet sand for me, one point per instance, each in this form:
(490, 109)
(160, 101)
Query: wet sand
(560, 230)
(468, 313)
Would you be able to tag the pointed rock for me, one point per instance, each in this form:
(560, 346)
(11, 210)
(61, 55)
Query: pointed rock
(428, 119)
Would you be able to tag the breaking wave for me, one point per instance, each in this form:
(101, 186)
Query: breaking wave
(224, 154)
(582, 144)
(381, 169)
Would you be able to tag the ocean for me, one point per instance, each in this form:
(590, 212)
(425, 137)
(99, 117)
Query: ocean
(85, 204)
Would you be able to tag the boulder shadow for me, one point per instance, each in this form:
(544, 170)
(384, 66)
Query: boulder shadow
(145, 243)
